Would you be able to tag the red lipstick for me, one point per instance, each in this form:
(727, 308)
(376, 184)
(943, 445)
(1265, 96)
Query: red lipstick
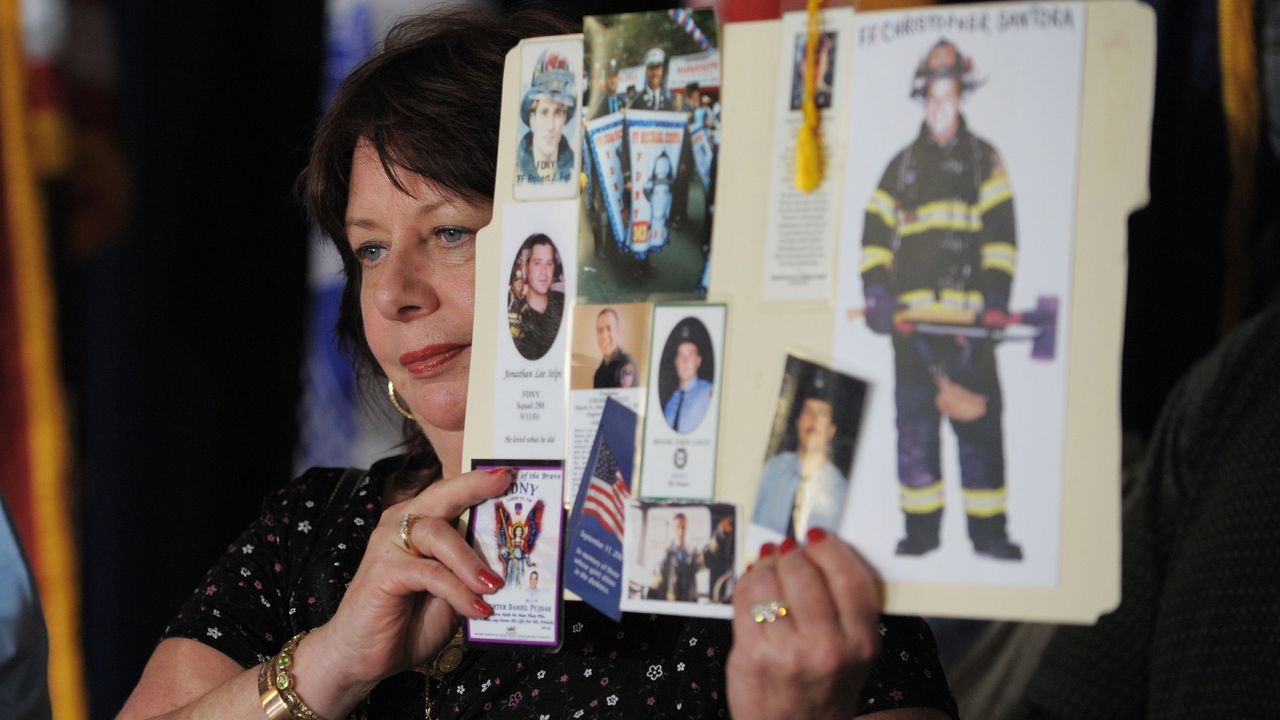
(431, 359)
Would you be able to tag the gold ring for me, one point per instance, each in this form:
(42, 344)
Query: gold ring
(406, 526)
(769, 611)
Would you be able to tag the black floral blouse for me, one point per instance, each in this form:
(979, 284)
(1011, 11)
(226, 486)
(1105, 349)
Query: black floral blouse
(289, 569)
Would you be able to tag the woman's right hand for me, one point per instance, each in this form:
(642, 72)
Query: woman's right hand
(401, 607)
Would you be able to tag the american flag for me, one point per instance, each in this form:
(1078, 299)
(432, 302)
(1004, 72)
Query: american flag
(607, 493)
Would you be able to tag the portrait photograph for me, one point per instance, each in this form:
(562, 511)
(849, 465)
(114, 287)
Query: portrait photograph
(954, 275)
(535, 298)
(649, 198)
(678, 558)
(824, 70)
(610, 346)
(686, 375)
(804, 481)
(547, 153)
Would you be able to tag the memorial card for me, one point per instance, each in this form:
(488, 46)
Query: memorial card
(800, 237)
(608, 359)
(682, 418)
(593, 553)
(519, 535)
(531, 322)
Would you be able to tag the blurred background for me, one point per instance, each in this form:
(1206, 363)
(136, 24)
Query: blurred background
(165, 317)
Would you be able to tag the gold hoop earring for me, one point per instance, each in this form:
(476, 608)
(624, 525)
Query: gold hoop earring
(395, 401)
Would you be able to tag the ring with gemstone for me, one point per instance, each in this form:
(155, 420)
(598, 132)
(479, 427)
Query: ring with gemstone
(769, 611)
(406, 526)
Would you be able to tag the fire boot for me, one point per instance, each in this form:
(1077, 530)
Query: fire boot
(990, 538)
(922, 533)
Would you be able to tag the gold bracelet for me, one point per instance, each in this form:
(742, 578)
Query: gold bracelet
(275, 686)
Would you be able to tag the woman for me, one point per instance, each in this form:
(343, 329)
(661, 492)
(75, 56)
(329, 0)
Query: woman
(401, 177)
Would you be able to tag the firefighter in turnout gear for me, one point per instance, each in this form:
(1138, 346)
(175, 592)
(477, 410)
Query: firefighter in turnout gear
(939, 234)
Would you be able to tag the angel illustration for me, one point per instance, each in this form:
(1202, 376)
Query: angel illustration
(516, 539)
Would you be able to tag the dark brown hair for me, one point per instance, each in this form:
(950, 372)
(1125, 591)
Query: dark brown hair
(428, 104)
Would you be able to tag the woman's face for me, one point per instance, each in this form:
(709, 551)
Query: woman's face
(417, 293)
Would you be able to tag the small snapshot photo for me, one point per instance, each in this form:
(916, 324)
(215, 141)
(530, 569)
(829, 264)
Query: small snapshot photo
(824, 70)
(679, 558)
(610, 346)
(535, 296)
(652, 137)
(804, 483)
(686, 373)
(547, 152)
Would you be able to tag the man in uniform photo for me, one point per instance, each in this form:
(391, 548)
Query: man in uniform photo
(616, 370)
(802, 488)
(686, 406)
(677, 573)
(538, 315)
(939, 236)
(654, 96)
(544, 155)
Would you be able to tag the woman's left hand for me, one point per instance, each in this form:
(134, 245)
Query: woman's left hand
(811, 661)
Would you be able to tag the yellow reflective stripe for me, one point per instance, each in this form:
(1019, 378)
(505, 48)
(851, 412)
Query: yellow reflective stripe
(999, 256)
(921, 500)
(883, 206)
(1001, 265)
(875, 256)
(984, 503)
(943, 215)
(993, 192)
(964, 299)
(916, 298)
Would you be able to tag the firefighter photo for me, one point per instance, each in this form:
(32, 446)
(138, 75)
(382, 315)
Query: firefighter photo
(939, 237)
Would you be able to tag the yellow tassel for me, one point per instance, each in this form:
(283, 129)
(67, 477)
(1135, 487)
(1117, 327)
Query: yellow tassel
(809, 142)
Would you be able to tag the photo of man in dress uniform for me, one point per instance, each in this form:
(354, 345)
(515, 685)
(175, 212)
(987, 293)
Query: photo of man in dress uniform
(535, 301)
(688, 402)
(611, 100)
(804, 483)
(939, 236)
(544, 155)
(654, 96)
(617, 369)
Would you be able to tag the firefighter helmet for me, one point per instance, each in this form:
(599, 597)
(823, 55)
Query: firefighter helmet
(552, 80)
(944, 60)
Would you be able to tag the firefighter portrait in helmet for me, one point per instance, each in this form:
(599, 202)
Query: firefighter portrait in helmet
(939, 235)
(544, 155)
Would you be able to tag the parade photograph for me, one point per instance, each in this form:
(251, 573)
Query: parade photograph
(953, 273)
(650, 154)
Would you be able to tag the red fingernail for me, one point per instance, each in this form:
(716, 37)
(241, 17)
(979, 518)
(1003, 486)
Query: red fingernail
(489, 580)
(816, 534)
(787, 546)
(482, 607)
(500, 470)
(767, 549)
(749, 566)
